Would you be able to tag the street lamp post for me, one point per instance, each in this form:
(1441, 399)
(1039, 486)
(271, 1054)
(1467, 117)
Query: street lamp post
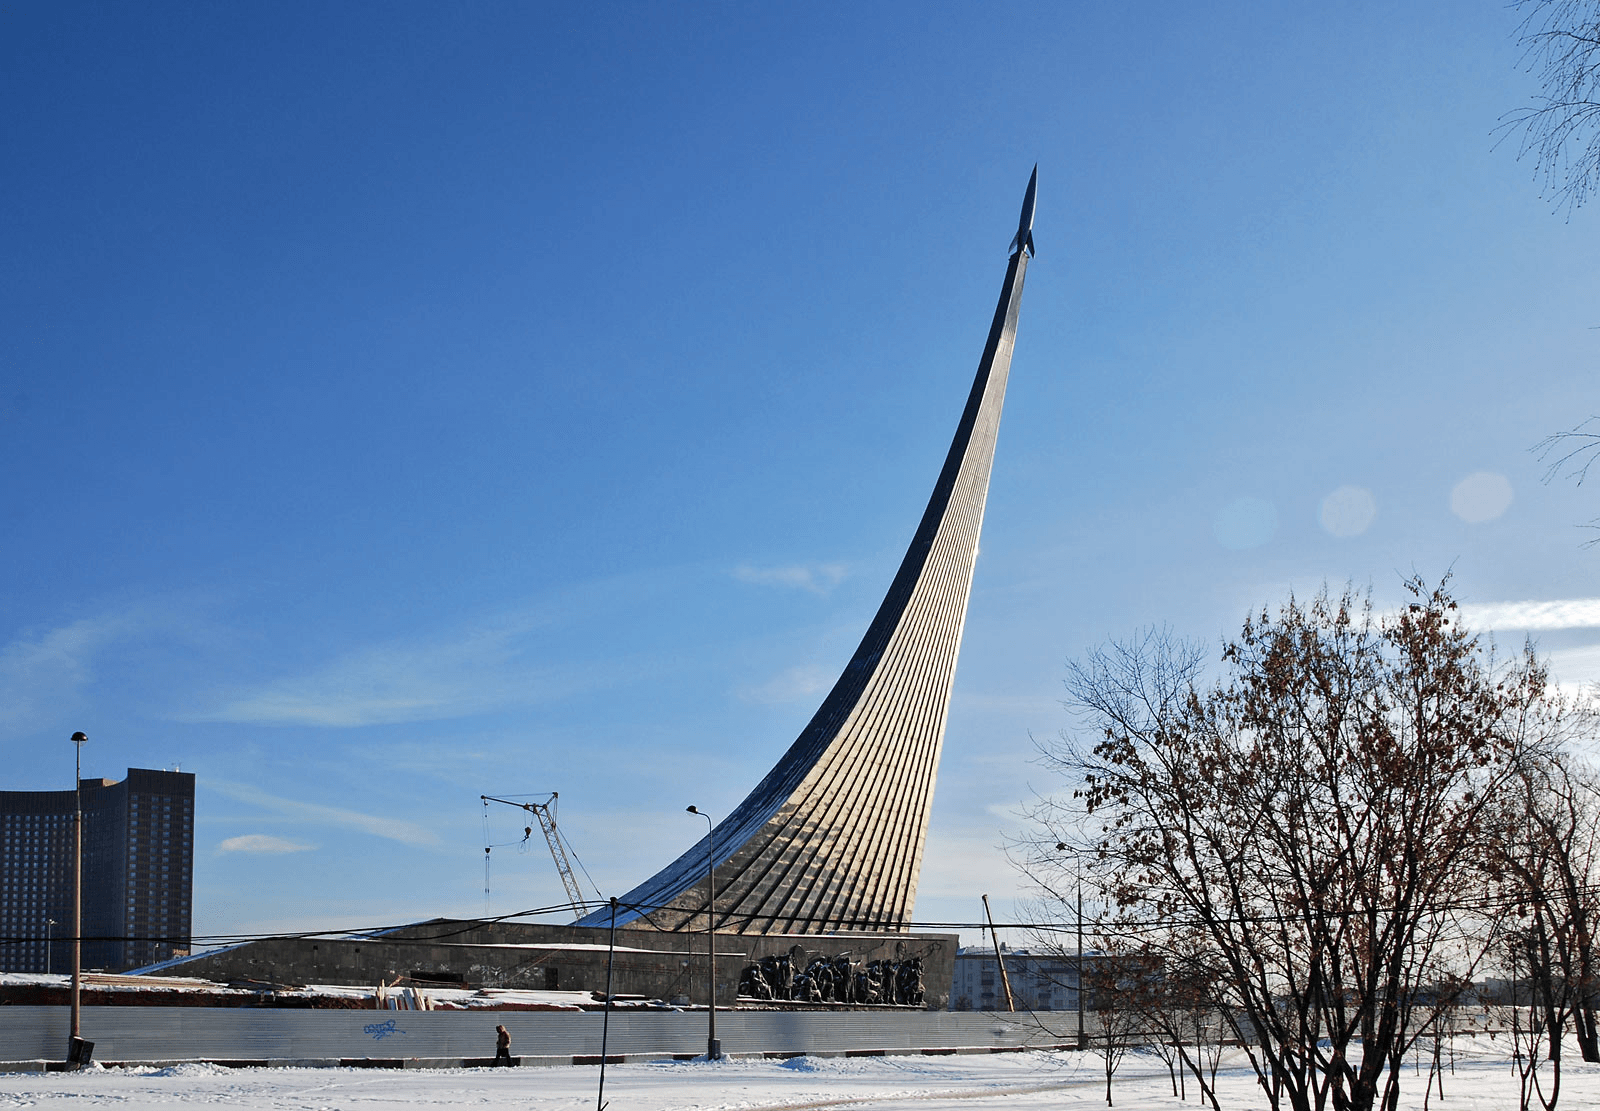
(713, 1047)
(48, 923)
(1077, 868)
(1082, 1042)
(77, 880)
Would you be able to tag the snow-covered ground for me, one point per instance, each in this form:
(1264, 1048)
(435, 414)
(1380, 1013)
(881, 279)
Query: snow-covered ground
(430, 998)
(1482, 1080)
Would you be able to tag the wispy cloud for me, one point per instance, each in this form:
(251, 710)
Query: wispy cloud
(401, 681)
(261, 843)
(1005, 703)
(42, 668)
(1577, 670)
(394, 829)
(819, 578)
(789, 686)
(1568, 613)
(499, 660)
(957, 863)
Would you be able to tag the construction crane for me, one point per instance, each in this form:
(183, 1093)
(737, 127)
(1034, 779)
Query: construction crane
(545, 814)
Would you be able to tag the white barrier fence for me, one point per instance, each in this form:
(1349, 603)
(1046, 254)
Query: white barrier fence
(259, 1034)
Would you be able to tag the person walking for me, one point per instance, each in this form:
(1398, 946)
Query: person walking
(502, 1046)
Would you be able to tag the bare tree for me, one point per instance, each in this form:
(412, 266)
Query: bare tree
(1548, 848)
(1165, 997)
(1570, 454)
(1176, 1004)
(1119, 1024)
(1560, 132)
(1560, 129)
(1312, 823)
(1535, 1040)
(1573, 451)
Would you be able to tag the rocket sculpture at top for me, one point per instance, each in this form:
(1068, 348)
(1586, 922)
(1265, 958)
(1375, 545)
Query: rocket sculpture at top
(832, 838)
(1024, 237)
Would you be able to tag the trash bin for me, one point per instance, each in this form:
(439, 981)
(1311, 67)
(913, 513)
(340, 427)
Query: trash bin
(79, 1053)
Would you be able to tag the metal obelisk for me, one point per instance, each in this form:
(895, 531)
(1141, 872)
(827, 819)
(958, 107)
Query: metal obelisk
(832, 838)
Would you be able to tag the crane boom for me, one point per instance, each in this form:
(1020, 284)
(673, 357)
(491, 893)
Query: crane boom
(545, 813)
(547, 822)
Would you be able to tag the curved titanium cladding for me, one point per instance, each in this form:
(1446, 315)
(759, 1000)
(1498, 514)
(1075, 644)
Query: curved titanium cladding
(832, 838)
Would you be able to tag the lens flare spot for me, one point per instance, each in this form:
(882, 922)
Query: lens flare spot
(1348, 511)
(1481, 497)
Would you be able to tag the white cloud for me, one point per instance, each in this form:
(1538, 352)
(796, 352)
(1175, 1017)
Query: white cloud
(1348, 511)
(1481, 497)
(963, 863)
(398, 682)
(496, 662)
(394, 829)
(261, 843)
(1005, 703)
(1564, 613)
(41, 669)
(818, 578)
(1576, 668)
(789, 686)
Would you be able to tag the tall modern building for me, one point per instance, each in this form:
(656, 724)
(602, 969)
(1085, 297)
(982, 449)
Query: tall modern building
(138, 872)
(831, 840)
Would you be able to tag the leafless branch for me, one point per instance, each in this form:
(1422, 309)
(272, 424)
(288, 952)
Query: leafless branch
(1560, 129)
(1573, 452)
(1578, 448)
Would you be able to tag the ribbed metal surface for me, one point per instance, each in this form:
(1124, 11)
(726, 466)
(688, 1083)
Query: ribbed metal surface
(257, 1033)
(832, 838)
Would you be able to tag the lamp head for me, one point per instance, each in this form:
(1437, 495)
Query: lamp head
(79, 738)
(691, 810)
(1061, 846)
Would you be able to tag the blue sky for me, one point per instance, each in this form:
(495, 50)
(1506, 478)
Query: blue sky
(401, 403)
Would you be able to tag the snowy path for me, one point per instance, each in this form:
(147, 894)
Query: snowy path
(1017, 1082)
